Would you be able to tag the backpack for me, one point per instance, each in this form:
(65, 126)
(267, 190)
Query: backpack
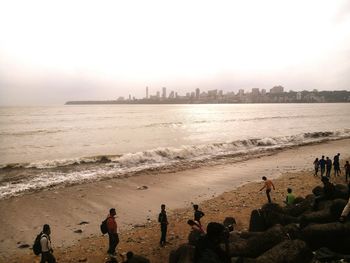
(37, 245)
(104, 227)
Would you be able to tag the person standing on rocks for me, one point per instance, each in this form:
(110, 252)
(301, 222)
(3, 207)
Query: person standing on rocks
(268, 185)
(290, 197)
(112, 232)
(208, 249)
(46, 249)
(163, 220)
(197, 214)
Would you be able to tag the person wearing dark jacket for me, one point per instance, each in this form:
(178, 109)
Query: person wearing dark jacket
(197, 214)
(163, 221)
(208, 249)
(322, 163)
(328, 192)
(328, 167)
(112, 232)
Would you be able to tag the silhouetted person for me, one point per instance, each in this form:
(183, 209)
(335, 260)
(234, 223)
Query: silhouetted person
(46, 248)
(268, 185)
(322, 163)
(328, 192)
(197, 214)
(163, 221)
(112, 232)
(347, 170)
(316, 166)
(328, 166)
(336, 165)
(208, 249)
(196, 232)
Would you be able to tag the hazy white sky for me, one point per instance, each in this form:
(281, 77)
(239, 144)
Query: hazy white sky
(53, 51)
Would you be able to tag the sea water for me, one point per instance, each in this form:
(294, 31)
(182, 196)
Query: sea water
(42, 147)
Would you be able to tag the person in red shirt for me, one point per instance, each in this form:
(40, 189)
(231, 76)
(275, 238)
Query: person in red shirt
(112, 232)
(268, 185)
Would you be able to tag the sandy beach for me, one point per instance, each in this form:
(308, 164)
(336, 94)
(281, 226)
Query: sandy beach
(222, 190)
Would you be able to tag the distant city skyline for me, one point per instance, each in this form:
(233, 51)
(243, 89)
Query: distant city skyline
(52, 52)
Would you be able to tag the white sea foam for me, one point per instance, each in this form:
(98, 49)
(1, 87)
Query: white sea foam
(51, 173)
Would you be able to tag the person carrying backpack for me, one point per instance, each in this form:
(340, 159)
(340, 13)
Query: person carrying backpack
(112, 232)
(45, 244)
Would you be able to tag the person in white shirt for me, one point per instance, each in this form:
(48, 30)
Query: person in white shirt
(46, 249)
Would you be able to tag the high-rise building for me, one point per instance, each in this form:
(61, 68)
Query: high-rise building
(158, 94)
(277, 89)
(197, 93)
(263, 91)
(146, 92)
(241, 92)
(164, 93)
(255, 91)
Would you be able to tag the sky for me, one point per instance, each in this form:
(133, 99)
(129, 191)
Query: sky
(55, 51)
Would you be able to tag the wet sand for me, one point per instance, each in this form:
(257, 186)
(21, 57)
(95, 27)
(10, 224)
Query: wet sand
(215, 188)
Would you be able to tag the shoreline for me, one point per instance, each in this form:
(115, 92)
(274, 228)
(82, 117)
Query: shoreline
(65, 208)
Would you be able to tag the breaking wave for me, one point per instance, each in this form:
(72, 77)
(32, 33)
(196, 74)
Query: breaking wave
(18, 178)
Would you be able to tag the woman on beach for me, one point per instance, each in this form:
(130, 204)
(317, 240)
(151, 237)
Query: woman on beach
(316, 165)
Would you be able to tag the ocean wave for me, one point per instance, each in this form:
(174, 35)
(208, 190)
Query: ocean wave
(51, 173)
(31, 132)
(173, 124)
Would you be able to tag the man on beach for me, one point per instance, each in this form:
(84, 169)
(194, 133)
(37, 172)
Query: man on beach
(328, 167)
(347, 170)
(46, 249)
(268, 185)
(112, 232)
(197, 214)
(336, 165)
(163, 220)
(322, 165)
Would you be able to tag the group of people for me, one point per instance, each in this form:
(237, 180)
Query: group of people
(207, 242)
(268, 186)
(325, 166)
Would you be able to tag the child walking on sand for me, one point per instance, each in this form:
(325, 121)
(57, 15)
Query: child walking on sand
(268, 185)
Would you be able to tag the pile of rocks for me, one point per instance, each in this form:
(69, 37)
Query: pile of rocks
(293, 234)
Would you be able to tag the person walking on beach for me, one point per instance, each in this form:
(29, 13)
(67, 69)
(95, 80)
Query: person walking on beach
(336, 165)
(328, 167)
(112, 232)
(46, 248)
(347, 170)
(268, 185)
(316, 165)
(322, 163)
(197, 214)
(163, 221)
